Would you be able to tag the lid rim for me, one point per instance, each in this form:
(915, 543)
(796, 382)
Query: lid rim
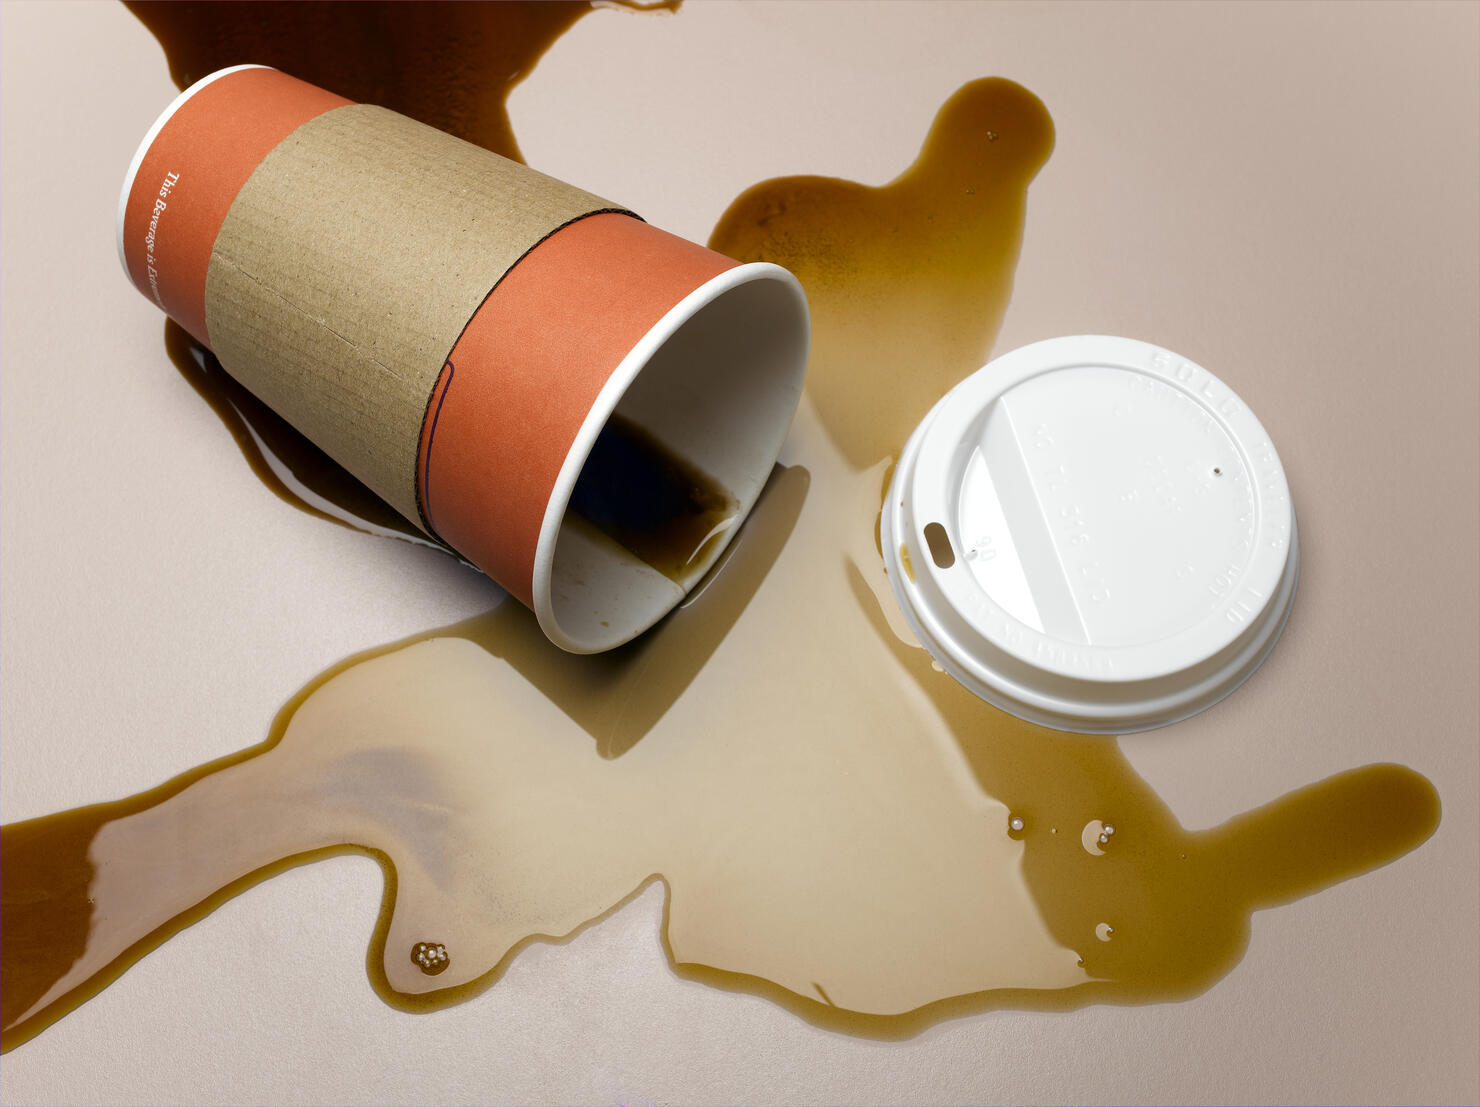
(1133, 716)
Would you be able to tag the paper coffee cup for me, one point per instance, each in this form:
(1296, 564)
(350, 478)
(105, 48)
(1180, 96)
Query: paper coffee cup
(582, 405)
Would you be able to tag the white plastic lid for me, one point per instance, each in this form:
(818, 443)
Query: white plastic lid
(1094, 534)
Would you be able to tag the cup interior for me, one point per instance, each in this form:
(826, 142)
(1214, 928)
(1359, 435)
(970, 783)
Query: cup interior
(671, 458)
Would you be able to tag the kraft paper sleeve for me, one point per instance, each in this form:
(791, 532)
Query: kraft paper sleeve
(349, 264)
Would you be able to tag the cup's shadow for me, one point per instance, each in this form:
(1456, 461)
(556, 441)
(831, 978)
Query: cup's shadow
(599, 692)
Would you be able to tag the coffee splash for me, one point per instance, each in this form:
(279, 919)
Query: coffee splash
(448, 64)
(910, 279)
(839, 826)
(653, 503)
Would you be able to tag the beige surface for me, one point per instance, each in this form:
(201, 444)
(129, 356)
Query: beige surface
(1286, 194)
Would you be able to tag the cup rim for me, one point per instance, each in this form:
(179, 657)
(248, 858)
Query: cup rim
(601, 410)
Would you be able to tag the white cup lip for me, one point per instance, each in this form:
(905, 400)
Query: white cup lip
(607, 399)
(148, 140)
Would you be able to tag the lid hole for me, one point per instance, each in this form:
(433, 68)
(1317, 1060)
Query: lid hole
(1217, 472)
(940, 545)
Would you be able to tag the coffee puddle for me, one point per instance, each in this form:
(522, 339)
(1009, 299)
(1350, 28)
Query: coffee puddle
(908, 283)
(839, 826)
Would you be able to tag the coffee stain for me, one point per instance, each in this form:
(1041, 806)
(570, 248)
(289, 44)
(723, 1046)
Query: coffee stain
(451, 65)
(838, 826)
(885, 841)
(910, 279)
